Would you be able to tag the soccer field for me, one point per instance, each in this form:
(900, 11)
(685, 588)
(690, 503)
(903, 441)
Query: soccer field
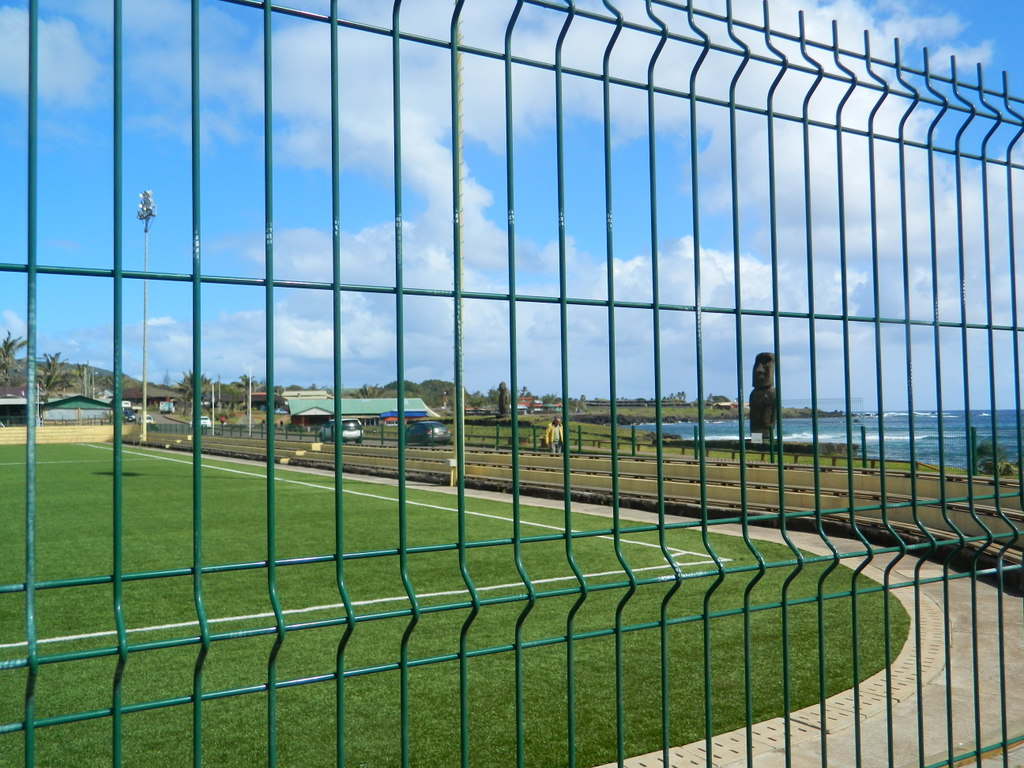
(166, 624)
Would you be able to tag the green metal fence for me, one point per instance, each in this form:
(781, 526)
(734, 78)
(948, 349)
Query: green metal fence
(627, 198)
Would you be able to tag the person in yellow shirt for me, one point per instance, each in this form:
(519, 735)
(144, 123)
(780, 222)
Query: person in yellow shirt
(554, 435)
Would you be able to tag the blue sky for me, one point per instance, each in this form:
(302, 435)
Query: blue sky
(76, 191)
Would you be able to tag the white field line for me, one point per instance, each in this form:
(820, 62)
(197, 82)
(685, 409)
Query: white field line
(43, 463)
(335, 606)
(674, 550)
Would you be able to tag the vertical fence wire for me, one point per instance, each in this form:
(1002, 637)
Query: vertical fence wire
(563, 346)
(904, 251)
(606, 106)
(336, 316)
(962, 275)
(458, 365)
(811, 336)
(1014, 540)
(197, 489)
(1012, 267)
(937, 343)
(695, 213)
(855, 608)
(117, 509)
(31, 393)
(995, 121)
(734, 183)
(909, 369)
(269, 312)
(403, 534)
(780, 474)
(664, 636)
(517, 521)
(198, 598)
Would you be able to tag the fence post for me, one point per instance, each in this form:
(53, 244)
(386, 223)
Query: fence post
(863, 446)
(533, 427)
(579, 438)
(497, 436)
(972, 451)
(632, 437)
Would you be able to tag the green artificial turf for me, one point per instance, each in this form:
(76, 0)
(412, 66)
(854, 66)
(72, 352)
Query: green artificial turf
(403, 656)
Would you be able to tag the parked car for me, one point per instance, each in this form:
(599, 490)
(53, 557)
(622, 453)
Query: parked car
(149, 418)
(351, 431)
(428, 433)
(204, 421)
(129, 415)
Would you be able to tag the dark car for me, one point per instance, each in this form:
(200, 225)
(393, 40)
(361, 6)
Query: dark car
(351, 431)
(428, 433)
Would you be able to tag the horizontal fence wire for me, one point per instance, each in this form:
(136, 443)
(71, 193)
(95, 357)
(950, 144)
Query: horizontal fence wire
(621, 198)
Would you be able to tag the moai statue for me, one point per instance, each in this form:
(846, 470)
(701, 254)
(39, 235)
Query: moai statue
(762, 398)
(503, 399)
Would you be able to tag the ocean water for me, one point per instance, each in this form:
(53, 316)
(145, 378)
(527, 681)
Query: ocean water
(924, 436)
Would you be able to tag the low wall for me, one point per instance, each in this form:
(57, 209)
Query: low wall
(64, 434)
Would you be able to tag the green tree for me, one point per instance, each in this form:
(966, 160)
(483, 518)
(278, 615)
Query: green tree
(370, 391)
(186, 389)
(54, 376)
(992, 459)
(9, 360)
(238, 391)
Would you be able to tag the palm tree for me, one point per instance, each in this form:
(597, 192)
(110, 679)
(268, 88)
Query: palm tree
(54, 376)
(992, 459)
(9, 349)
(186, 388)
(371, 391)
(239, 392)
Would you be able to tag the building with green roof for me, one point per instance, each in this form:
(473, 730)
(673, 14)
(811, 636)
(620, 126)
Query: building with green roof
(307, 411)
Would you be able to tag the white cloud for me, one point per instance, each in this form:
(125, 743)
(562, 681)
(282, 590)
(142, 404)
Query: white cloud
(13, 323)
(69, 73)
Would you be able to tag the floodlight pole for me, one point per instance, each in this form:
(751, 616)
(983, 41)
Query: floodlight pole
(146, 214)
